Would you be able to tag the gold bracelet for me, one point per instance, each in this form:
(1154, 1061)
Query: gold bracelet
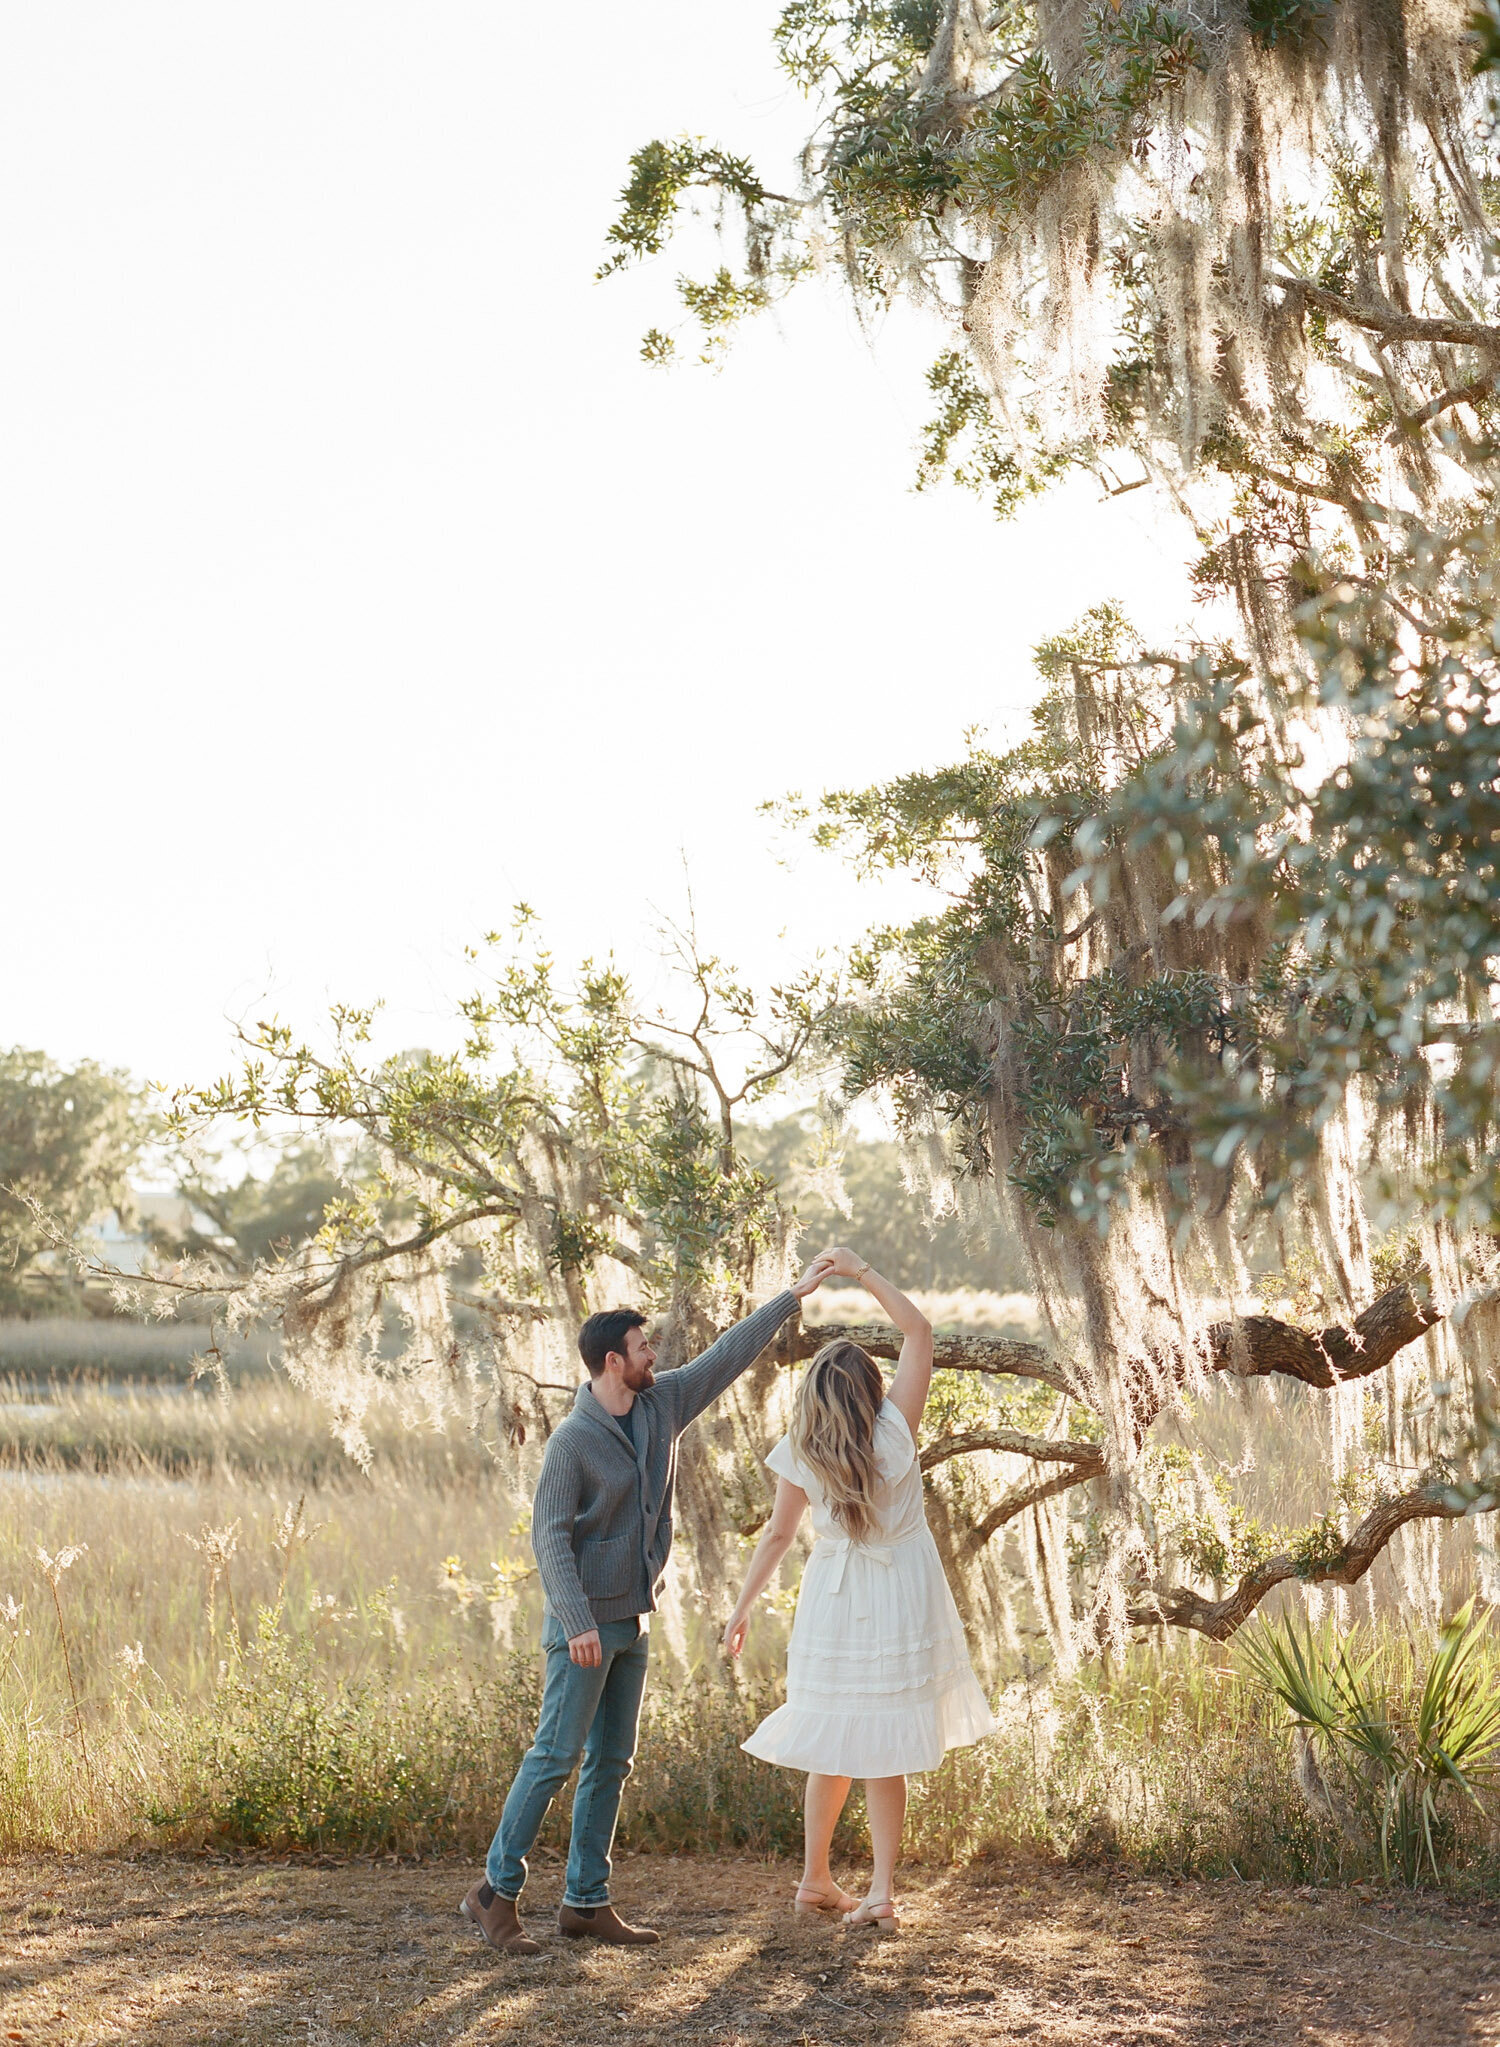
(866, 1267)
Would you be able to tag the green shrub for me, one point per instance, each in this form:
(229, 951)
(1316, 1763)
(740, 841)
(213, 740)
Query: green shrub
(1162, 1770)
(285, 1756)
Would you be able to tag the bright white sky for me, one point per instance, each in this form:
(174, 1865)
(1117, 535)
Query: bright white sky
(359, 579)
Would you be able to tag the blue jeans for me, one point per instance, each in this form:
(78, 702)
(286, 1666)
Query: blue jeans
(592, 1713)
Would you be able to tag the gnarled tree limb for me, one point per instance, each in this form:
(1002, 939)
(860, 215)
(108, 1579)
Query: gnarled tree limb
(1392, 325)
(1259, 1344)
(1255, 1346)
(1018, 1499)
(1181, 1607)
(1044, 1449)
(1252, 1347)
(999, 1356)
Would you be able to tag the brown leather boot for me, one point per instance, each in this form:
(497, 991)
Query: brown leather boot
(603, 1922)
(499, 1921)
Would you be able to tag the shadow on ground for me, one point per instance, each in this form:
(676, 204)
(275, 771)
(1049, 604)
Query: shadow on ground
(201, 1954)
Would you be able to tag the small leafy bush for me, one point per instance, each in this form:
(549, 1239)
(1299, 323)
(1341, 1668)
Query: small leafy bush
(285, 1756)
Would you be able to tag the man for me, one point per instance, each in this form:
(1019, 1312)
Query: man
(601, 1528)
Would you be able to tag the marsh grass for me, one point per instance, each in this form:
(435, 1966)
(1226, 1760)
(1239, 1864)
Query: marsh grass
(289, 1752)
(261, 1430)
(63, 1347)
(270, 1648)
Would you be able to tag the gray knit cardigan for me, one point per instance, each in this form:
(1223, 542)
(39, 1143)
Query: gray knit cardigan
(601, 1523)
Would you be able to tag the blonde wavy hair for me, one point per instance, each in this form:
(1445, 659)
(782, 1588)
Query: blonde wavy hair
(833, 1431)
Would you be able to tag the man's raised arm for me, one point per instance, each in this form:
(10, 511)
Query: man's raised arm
(701, 1382)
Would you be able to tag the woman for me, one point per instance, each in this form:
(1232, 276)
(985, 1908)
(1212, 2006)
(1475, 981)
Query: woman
(878, 1676)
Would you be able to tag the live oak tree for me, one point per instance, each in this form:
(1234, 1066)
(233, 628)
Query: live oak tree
(1212, 960)
(1178, 994)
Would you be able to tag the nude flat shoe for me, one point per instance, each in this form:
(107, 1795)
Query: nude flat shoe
(873, 1915)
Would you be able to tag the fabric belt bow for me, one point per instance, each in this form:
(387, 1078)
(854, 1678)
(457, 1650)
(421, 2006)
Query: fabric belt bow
(845, 1547)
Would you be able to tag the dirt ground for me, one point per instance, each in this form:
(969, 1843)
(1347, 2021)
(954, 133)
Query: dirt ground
(176, 1951)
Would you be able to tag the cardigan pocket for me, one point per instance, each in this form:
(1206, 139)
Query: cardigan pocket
(609, 1568)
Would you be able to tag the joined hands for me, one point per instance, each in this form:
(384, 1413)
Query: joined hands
(821, 1268)
(837, 1262)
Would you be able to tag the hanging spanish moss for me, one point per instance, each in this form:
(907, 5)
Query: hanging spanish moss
(1241, 251)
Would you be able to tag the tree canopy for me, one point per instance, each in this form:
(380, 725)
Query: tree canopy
(1193, 1008)
(1243, 254)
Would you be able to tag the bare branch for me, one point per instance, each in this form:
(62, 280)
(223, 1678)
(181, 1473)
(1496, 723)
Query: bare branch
(1464, 394)
(503, 1309)
(1357, 508)
(1428, 632)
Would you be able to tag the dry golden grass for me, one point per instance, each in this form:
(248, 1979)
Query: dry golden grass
(173, 1953)
(384, 1707)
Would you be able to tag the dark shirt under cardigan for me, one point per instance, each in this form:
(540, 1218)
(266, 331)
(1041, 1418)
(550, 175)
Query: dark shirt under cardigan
(601, 1523)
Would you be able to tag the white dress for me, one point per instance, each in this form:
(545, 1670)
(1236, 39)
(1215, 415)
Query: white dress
(878, 1679)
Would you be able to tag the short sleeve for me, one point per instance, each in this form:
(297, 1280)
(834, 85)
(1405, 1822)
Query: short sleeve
(779, 1459)
(895, 1451)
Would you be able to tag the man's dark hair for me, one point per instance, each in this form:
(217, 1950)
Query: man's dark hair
(606, 1332)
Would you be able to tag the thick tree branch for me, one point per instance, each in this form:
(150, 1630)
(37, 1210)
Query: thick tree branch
(1394, 326)
(1259, 1345)
(1253, 1347)
(1181, 1607)
(1044, 1449)
(1015, 1502)
(998, 1356)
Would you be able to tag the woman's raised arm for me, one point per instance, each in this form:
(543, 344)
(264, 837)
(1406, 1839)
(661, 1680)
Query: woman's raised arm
(908, 1394)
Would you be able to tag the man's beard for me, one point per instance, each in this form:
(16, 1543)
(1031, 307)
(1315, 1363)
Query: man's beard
(641, 1377)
